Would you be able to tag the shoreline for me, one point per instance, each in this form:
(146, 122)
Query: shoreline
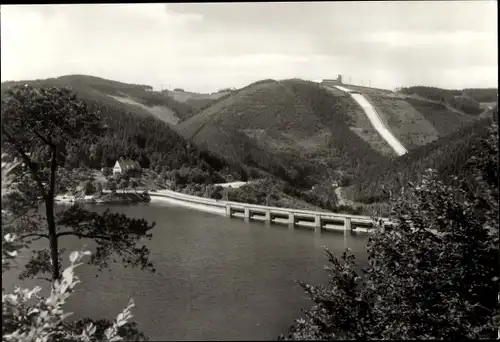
(185, 204)
(105, 198)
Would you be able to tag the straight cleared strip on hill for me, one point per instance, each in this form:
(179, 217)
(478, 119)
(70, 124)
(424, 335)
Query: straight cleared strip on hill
(375, 120)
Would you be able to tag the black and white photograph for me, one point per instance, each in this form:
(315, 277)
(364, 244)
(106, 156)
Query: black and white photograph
(250, 171)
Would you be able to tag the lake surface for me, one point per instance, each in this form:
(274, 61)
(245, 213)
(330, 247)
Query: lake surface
(216, 279)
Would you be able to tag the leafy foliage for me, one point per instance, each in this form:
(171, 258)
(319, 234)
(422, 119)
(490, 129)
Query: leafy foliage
(26, 316)
(10, 247)
(185, 175)
(41, 126)
(89, 188)
(115, 235)
(435, 276)
(466, 105)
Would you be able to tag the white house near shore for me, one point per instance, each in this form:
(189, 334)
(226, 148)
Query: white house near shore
(123, 165)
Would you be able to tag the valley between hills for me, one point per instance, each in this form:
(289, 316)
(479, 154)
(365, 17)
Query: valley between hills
(302, 144)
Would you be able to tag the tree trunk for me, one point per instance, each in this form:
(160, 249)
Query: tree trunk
(51, 223)
(54, 249)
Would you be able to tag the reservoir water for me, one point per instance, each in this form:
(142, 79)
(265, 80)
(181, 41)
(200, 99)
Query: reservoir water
(216, 279)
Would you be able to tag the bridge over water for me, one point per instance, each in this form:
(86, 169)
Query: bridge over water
(316, 220)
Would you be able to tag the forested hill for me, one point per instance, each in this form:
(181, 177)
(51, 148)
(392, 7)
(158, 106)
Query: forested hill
(309, 133)
(144, 138)
(294, 129)
(468, 100)
(134, 98)
(448, 155)
(196, 101)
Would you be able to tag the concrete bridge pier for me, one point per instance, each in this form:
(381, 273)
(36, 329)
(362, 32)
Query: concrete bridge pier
(317, 223)
(347, 225)
(267, 216)
(291, 220)
(247, 214)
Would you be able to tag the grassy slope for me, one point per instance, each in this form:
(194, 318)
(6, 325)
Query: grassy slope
(186, 96)
(405, 122)
(369, 90)
(443, 120)
(361, 125)
(130, 97)
(416, 122)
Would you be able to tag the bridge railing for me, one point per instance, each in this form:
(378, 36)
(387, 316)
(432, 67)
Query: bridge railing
(316, 219)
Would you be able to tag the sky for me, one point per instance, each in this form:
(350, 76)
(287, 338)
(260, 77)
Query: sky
(204, 47)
